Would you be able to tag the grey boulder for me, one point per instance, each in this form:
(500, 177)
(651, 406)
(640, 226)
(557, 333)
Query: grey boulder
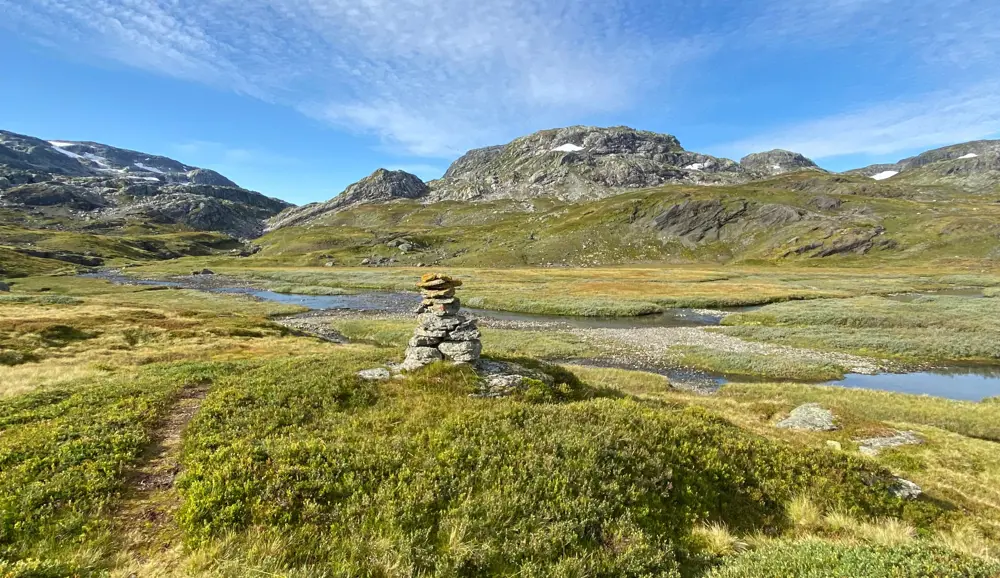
(809, 416)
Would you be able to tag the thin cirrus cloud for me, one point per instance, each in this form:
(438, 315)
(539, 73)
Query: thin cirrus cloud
(433, 78)
(932, 119)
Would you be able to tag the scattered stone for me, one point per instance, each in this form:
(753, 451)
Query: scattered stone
(872, 446)
(906, 489)
(378, 373)
(417, 357)
(503, 378)
(443, 332)
(4, 287)
(834, 445)
(366, 261)
(207, 272)
(809, 416)
(329, 264)
(405, 247)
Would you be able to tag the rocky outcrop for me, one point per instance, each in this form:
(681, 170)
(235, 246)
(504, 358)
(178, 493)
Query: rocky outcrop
(98, 187)
(775, 162)
(578, 163)
(811, 417)
(382, 186)
(443, 333)
(971, 166)
(698, 221)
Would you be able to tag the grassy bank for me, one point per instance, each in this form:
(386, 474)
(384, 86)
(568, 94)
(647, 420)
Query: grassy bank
(927, 330)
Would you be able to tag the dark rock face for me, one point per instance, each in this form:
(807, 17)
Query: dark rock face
(577, 163)
(695, 222)
(382, 186)
(106, 187)
(775, 162)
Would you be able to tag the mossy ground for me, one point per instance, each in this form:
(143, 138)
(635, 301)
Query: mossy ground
(293, 466)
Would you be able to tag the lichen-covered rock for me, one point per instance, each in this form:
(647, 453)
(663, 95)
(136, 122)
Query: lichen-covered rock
(906, 489)
(417, 357)
(461, 351)
(443, 332)
(872, 446)
(375, 374)
(809, 416)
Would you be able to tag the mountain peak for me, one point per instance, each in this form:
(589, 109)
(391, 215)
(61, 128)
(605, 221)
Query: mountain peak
(381, 186)
(776, 162)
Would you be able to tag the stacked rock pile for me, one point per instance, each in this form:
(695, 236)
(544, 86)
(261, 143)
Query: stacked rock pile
(443, 332)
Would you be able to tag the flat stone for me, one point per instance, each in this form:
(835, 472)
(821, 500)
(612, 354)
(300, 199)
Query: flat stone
(438, 293)
(834, 445)
(503, 378)
(424, 340)
(378, 373)
(417, 357)
(809, 416)
(4, 287)
(438, 334)
(464, 334)
(872, 446)
(431, 321)
(461, 351)
(906, 489)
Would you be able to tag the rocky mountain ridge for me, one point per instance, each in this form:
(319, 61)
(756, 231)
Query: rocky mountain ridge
(571, 164)
(103, 188)
(971, 166)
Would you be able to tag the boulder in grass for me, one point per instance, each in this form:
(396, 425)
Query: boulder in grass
(809, 417)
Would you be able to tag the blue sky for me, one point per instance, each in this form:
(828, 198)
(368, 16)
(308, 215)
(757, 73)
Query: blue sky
(299, 98)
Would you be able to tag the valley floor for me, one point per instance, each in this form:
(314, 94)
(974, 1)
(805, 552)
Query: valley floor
(153, 431)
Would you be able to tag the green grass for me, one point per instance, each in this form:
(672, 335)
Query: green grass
(820, 559)
(64, 451)
(754, 366)
(930, 329)
(415, 476)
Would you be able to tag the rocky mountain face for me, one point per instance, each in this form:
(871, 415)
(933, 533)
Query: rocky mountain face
(382, 186)
(101, 188)
(972, 167)
(578, 163)
(571, 164)
(775, 162)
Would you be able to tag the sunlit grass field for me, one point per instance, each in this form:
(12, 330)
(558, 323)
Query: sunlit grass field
(293, 466)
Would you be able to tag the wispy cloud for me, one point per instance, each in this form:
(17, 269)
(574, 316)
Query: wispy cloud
(932, 119)
(436, 77)
(431, 76)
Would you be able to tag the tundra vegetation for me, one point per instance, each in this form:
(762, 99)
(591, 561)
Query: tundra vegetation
(290, 464)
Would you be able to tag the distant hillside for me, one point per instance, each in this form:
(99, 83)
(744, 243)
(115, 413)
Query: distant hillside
(577, 163)
(807, 217)
(99, 188)
(971, 167)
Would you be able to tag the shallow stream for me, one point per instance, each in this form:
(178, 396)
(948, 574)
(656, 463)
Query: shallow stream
(971, 383)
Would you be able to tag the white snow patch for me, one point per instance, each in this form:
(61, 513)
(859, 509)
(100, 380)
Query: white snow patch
(568, 148)
(103, 162)
(138, 178)
(71, 155)
(776, 167)
(884, 175)
(149, 168)
(695, 167)
(969, 156)
(60, 143)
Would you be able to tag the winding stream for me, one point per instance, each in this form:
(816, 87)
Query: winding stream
(969, 383)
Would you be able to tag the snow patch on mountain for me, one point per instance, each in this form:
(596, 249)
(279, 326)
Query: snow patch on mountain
(568, 148)
(968, 156)
(148, 168)
(884, 175)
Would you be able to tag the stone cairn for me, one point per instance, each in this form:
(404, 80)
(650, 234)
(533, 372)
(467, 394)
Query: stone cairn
(443, 333)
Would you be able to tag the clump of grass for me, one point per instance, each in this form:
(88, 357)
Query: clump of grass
(716, 540)
(308, 290)
(755, 366)
(967, 538)
(803, 514)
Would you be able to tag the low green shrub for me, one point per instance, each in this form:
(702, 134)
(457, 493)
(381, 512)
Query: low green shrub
(415, 475)
(820, 559)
